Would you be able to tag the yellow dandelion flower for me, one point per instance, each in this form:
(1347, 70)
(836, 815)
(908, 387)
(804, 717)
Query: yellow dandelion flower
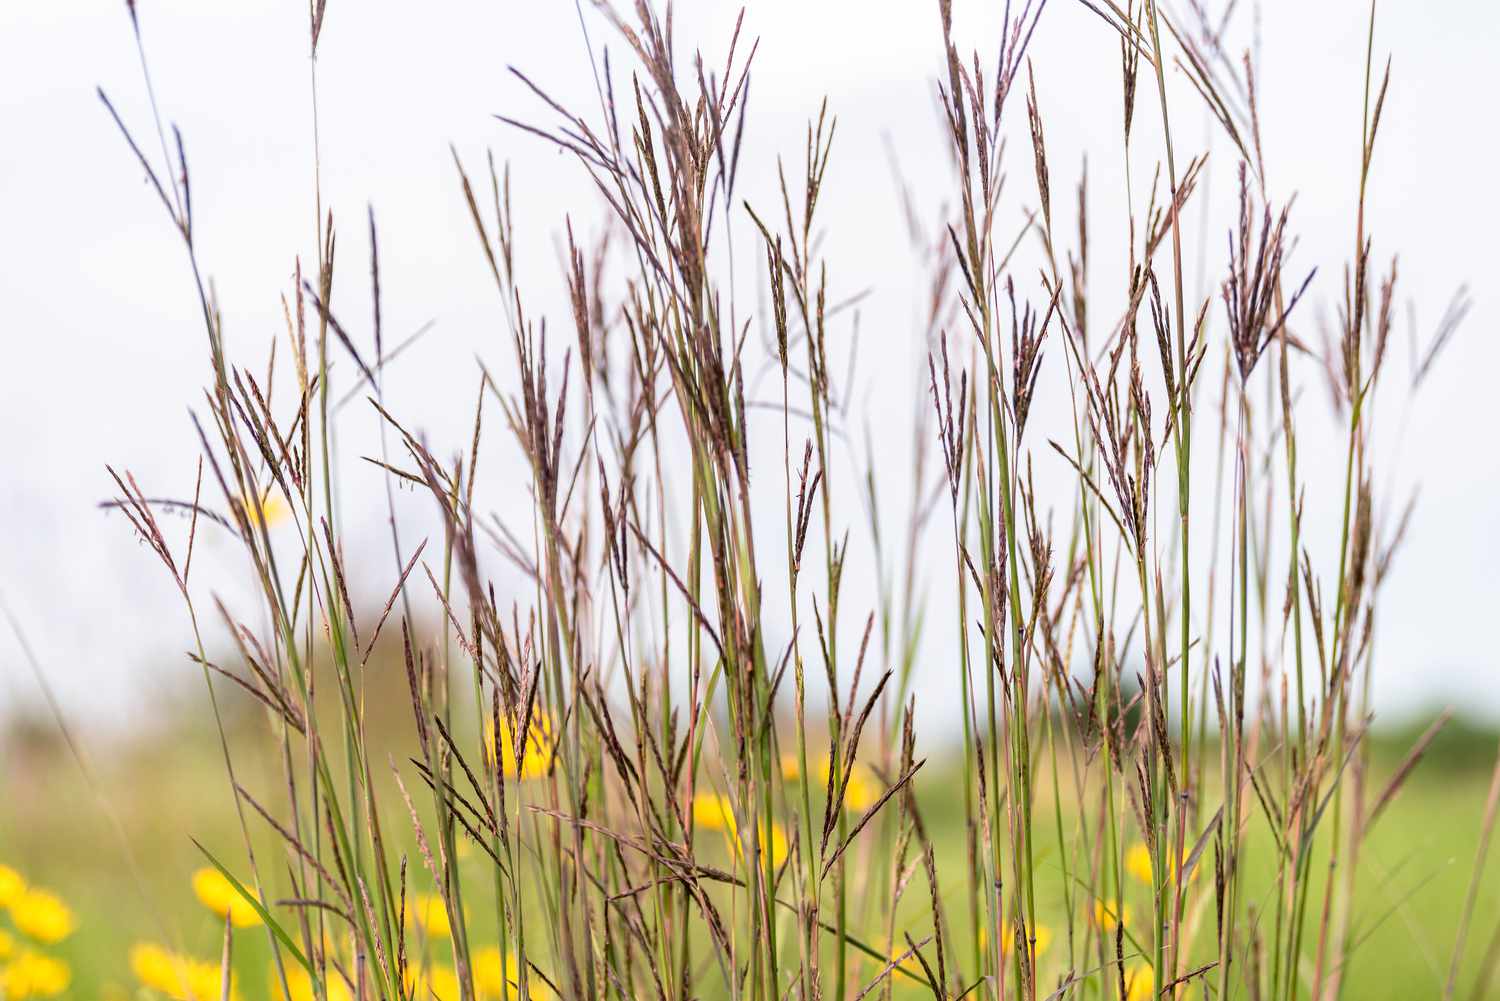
(862, 792)
(863, 789)
(33, 975)
(11, 885)
(772, 840)
(497, 977)
(177, 976)
(1138, 864)
(777, 841)
(1107, 913)
(536, 756)
(216, 893)
(160, 969)
(299, 985)
(1042, 933)
(428, 912)
(443, 982)
(910, 964)
(1140, 982)
(439, 982)
(714, 813)
(42, 915)
(272, 509)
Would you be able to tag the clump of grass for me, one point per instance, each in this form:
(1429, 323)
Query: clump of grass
(658, 797)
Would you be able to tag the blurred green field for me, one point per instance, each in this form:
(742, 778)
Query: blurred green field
(165, 789)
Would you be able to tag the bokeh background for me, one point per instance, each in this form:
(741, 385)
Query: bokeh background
(104, 355)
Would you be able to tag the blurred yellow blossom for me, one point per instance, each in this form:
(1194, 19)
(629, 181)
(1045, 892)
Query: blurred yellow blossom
(271, 509)
(496, 977)
(216, 893)
(7, 944)
(11, 885)
(909, 964)
(791, 770)
(863, 789)
(1138, 864)
(1042, 933)
(713, 812)
(862, 792)
(1107, 913)
(1140, 982)
(443, 983)
(177, 976)
(536, 756)
(299, 985)
(438, 982)
(42, 915)
(777, 841)
(33, 975)
(428, 912)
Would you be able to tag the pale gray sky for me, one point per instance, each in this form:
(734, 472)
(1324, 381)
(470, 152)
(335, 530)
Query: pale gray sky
(104, 352)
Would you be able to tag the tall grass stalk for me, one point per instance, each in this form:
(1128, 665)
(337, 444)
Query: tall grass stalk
(642, 777)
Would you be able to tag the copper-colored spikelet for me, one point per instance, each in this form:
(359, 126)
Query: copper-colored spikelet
(1254, 285)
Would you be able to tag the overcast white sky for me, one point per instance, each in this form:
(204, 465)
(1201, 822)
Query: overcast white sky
(104, 352)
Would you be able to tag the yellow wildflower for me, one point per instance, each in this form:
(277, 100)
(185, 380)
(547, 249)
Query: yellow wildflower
(863, 790)
(1138, 864)
(497, 977)
(42, 915)
(299, 985)
(777, 841)
(1107, 913)
(713, 812)
(271, 509)
(1140, 982)
(910, 964)
(177, 976)
(216, 893)
(791, 768)
(33, 975)
(1042, 933)
(7, 944)
(438, 982)
(428, 912)
(536, 756)
(443, 983)
(11, 885)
